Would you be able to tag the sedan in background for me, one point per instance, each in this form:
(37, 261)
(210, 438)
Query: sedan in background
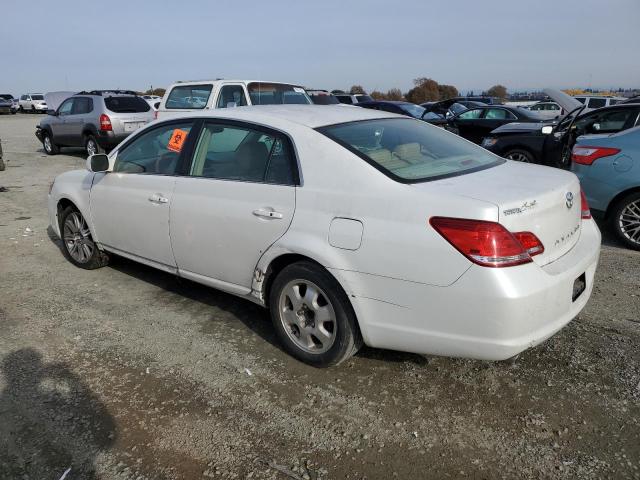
(452, 107)
(405, 108)
(551, 144)
(322, 97)
(476, 123)
(609, 171)
(548, 110)
(350, 225)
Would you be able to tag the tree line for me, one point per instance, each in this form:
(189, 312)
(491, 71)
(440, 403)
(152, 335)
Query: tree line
(425, 90)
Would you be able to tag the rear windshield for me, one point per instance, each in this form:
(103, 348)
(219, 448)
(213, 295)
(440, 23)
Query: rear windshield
(363, 98)
(126, 104)
(6, 97)
(276, 94)
(410, 151)
(37, 97)
(189, 97)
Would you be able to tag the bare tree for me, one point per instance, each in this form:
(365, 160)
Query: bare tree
(356, 89)
(499, 91)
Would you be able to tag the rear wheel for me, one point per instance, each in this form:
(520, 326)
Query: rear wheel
(91, 145)
(78, 245)
(520, 156)
(312, 315)
(625, 220)
(33, 109)
(47, 142)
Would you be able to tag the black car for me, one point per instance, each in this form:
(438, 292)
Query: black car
(552, 144)
(451, 107)
(405, 108)
(476, 123)
(322, 97)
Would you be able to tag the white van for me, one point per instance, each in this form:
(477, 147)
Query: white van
(192, 96)
(598, 101)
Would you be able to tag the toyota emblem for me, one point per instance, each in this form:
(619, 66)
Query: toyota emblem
(569, 198)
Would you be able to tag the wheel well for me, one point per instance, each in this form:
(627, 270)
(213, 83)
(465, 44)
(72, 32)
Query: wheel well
(63, 204)
(617, 198)
(276, 266)
(510, 148)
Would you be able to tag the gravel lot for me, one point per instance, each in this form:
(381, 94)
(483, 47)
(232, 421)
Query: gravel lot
(129, 373)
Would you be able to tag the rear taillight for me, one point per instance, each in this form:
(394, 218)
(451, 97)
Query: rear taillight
(105, 123)
(488, 243)
(584, 206)
(587, 155)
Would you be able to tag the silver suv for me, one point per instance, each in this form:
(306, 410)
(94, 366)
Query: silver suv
(97, 120)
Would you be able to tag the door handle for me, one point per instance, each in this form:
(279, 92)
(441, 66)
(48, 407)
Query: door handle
(158, 198)
(263, 212)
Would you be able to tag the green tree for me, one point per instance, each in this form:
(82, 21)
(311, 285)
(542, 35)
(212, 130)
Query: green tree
(356, 89)
(499, 91)
(425, 90)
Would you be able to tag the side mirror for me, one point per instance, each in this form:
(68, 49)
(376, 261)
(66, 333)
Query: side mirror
(547, 129)
(98, 163)
(52, 112)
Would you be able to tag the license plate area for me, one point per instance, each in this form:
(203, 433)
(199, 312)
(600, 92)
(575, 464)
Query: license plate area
(132, 126)
(579, 286)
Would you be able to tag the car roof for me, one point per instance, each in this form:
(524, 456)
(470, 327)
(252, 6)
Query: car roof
(312, 116)
(224, 80)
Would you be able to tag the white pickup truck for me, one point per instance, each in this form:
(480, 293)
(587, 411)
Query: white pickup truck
(208, 94)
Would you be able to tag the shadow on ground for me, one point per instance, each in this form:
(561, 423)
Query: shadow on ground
(50, 420)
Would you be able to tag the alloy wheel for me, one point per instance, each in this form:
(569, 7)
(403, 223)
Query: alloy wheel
(92, 149)
(47, 143)
(518, 157)
(307, 316)
(629, 221)
(77, 238)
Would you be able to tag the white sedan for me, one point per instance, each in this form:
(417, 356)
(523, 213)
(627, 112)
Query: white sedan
(351, 226)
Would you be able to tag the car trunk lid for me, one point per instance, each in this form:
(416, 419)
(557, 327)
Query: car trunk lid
(529, 198)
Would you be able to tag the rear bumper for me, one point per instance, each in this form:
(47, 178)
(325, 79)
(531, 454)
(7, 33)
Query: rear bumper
(488, 313)
(109, 139)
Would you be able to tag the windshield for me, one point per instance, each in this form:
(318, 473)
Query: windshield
(323, 99)
(6, 97)
(410, 151)
(188, 97)
(37, 97)
(416, 111)
(457, 108)
(276, 94)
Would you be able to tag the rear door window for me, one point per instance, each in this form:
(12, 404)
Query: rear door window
(188, 97)
(597, 102)
(81, 105)
(498, 114)
(243, 154)
(471, 114)
(231, 96)
(126, 104)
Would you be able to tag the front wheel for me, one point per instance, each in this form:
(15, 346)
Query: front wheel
(49, 147)
(312, 315)
(625, 220)
(78, 245)
(520, 156)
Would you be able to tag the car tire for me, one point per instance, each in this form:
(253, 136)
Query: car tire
(519, 155)
(21, 109)
(624, 220)
(300, 295)
(77, 243)
(50, 148)
(33, 109)
(91, 146)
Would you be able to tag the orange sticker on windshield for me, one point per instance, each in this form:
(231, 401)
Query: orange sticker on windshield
(177, 140)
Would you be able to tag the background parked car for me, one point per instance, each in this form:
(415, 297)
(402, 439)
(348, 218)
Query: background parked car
(548, 110)
(405, 108)
(206, 94)
(552, 144)
(476, 123)
(6, 103)
(609, 172)
(322, 97)
(353, 99)
(97, 120)
(451, 107)
(594, 102)
(33, 102)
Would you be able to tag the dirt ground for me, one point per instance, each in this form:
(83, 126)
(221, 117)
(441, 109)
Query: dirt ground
(128, 373)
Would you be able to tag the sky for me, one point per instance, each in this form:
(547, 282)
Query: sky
(472, 44)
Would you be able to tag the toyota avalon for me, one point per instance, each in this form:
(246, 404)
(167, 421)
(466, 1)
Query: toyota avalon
(351, 226)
